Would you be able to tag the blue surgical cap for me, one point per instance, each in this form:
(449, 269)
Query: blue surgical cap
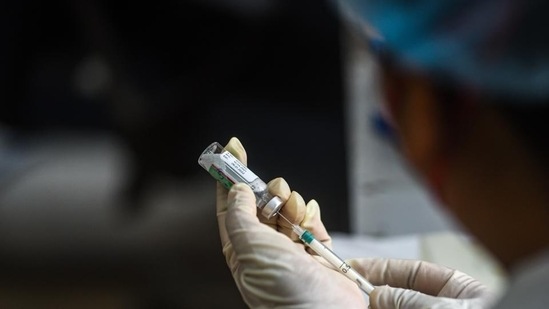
(498, 46)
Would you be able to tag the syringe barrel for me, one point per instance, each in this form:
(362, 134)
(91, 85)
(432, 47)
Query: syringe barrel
(337, 262)
(228, 170)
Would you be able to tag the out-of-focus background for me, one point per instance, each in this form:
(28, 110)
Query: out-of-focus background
(105, 107)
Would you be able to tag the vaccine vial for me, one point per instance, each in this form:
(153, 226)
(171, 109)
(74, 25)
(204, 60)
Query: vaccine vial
(228, 170)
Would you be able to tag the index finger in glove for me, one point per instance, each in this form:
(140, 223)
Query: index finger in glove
(278, 187)
(425, 277)
(235, 148)
(297, 212)
(294, 208)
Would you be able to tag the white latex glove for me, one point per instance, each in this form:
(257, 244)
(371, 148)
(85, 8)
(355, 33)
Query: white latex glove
(411, 284)
(269, 268)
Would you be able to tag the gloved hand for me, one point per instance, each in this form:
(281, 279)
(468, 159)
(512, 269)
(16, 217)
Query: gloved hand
(418, 284)
(269, 268)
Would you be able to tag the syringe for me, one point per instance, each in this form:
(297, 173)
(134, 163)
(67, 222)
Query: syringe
(308, 239)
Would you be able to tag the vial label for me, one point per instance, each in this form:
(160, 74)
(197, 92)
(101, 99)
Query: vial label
(238, 168)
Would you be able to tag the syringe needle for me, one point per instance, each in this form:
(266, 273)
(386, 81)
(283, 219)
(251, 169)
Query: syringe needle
(281, 216)
(308, 239)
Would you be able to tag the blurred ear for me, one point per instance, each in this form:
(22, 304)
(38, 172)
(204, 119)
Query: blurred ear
(419, 120)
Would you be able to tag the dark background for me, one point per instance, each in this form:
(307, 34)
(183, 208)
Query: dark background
(180, 75)
(184, 74)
